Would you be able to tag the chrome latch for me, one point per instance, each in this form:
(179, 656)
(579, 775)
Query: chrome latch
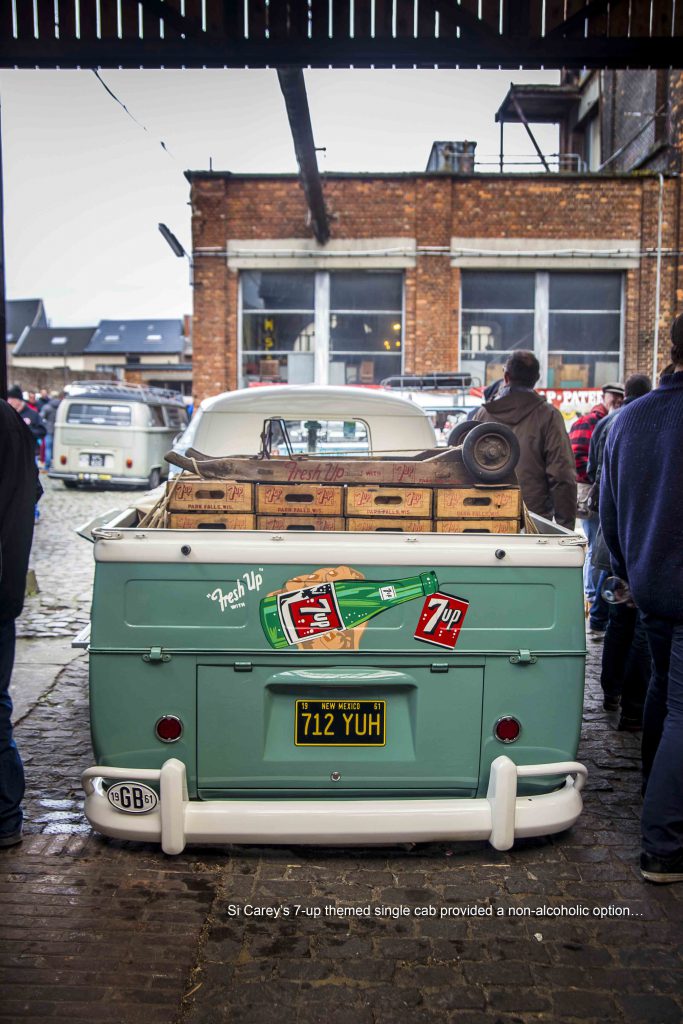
(523, 658)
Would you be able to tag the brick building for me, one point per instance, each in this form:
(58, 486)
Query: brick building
(439, 271)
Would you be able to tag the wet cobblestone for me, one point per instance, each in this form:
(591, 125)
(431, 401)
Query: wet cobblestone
(105, 930)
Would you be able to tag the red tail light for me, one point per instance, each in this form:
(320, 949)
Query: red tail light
(129, 463)
(169, 728)
(507, 729)
(62, 460)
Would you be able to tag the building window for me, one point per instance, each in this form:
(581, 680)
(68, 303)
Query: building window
(328, 328)
(278, 326)
(572, 321)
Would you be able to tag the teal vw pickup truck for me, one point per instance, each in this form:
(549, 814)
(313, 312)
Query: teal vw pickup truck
(335, 687)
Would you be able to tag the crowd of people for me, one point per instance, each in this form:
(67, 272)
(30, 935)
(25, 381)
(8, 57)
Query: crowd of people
(618, 472)
(38, 412)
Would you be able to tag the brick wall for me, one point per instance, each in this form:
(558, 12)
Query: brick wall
(431, 209)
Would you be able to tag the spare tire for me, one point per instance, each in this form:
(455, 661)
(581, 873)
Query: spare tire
(490, 452)
(460, 432)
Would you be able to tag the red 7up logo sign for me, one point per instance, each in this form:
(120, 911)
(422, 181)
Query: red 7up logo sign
(441, 619)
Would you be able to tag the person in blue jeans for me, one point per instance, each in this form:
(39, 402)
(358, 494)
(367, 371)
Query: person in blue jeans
(19, 492)
(641, 496)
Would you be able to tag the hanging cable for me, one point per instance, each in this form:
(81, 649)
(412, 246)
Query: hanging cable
(127, 111)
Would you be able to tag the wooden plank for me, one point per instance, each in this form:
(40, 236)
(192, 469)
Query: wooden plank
(225, 20)
(415, 502)
(384, 16)
(278, 18)
(639, 22)
(535, 18)
(441, 467)
(341, 20)
(405, 18)
(109, 19)
(426, 19)
(472, 503)
(211, 521)
(362, 19)
(299, 499)
(387, 524)
(554, 15)
(25, 24)
(210, 496)
(477, 525)
(6, 20)
(257, 19)
(661, 17)
(302, 524)
(320, 19)
(619, 18)
(129, 19)
(88, 19)
(490, 14)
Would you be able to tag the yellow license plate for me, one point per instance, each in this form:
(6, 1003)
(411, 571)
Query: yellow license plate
(340, 723)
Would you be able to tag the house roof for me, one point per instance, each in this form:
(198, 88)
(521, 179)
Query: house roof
(54, 341)
(138, 337)
(23, 313)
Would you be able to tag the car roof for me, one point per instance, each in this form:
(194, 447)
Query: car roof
(293, 399)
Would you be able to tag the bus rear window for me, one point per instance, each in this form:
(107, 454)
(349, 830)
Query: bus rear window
(101, 414)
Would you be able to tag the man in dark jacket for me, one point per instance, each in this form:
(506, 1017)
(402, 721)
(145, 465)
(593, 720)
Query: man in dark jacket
(546, 466)
(49, 415)
(580, 437)
(641, 493)
(31, 417)
(625, 669)
(19, 491)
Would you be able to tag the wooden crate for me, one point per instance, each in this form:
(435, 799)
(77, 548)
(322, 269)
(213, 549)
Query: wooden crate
(387, 524)
(477, 503)
(211, 521)
(319, 524)
(299, 499)
(413, 502)
(197, 495)
(477, 525)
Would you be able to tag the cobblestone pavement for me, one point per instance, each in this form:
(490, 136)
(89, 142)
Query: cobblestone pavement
(102, 930)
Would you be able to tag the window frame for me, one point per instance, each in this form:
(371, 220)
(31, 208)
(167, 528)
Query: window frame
(542, 313)
(322, 311)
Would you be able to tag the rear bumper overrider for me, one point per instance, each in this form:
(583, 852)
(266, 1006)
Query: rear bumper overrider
(500, 817)
(102, 478)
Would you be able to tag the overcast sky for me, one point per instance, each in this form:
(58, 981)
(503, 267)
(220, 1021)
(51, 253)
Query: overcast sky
(85, 186)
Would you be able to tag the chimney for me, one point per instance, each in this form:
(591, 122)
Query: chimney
(451, 158)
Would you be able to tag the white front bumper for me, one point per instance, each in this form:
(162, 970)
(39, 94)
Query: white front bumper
(500, 817)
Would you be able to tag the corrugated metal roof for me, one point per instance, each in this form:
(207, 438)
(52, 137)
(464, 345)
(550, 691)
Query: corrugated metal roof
(54, 341)
(138, 337)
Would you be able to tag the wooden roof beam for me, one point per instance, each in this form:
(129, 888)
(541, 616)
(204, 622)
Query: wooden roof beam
(294, 91)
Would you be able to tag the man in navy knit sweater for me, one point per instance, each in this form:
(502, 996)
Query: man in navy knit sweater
(641, 497)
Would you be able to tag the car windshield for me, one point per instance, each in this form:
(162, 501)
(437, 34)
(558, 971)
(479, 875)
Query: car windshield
(100, 414)
(315, 436)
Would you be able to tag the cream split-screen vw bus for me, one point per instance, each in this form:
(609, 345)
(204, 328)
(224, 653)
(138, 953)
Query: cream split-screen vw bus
(112, 434)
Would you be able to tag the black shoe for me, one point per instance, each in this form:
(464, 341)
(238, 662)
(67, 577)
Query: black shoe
(627, 724)
(11, 839)
(611, 704)
(662, 869)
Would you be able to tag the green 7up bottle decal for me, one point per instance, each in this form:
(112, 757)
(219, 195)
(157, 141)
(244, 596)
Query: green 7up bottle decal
(298, 615)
